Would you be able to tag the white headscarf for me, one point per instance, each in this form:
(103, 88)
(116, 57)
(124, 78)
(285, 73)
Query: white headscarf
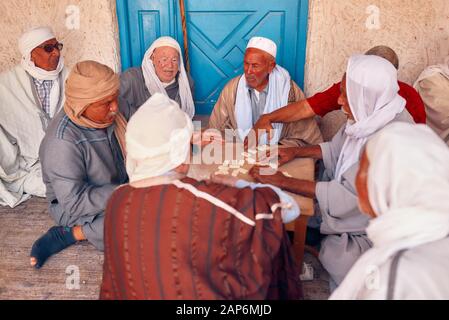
(155, 85)
(372, 91)
(157, 138)
(442, 68)
(27, 43)
(408, 188)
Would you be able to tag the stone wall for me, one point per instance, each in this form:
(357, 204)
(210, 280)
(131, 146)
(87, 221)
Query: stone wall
(417, 29)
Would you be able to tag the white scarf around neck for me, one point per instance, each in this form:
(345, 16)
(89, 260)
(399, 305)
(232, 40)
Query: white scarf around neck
(277, 97)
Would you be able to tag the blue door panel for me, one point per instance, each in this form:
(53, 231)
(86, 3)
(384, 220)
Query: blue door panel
(218, 34)
(140, 23)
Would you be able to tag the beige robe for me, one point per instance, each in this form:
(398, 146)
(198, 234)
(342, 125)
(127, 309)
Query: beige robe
(299, 133)
(434, 91)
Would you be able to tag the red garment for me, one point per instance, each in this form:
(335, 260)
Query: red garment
(162, 242)
(327, 101)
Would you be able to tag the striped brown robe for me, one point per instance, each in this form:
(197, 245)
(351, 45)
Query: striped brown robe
(163, 242)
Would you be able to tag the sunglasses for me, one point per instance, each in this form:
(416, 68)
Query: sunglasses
(50, 47)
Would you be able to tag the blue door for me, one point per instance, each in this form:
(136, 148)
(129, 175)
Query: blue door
(218, 32)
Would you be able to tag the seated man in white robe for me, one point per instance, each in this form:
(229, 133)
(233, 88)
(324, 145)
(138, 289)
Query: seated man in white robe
(369, 97)
(30, 95)
(163, 72)
(403, 184)
(264, 87)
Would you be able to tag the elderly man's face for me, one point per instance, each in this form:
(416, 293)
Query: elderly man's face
(103, 111)
(343, 100)
(257, 65)
(166, 63)
(361, 184)
(46, 60)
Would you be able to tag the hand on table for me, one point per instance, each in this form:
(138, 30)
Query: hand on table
(286, 155)
(277, 179)
(283, 156)
(226, 180)
(207, 136)
(264, 123)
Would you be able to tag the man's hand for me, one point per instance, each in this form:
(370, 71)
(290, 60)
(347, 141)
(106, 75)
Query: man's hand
(206, 136)
(264, 123)
(278, 179)
(226, 180)
(281, 157)
(286, 155)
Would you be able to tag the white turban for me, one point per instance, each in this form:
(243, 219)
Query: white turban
(263, 44)
(158, 138)
(408, 188)
(372, 91)
(153, 83)
(442, 68)
(27, 43)
(33, 38)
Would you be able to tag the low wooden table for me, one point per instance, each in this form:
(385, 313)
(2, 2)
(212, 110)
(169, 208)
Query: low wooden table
(299, 168)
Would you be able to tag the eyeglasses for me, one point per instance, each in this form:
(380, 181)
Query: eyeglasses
(50, 47)
(164, 61)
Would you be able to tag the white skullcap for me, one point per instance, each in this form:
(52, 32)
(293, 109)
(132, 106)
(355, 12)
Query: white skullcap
(33, 38)
(263, 44)
(158, 138)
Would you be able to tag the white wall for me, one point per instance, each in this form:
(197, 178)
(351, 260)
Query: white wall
(417, 29)
(96, 39)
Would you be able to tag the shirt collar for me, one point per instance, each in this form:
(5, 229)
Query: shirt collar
(41, 82)
(265, 90)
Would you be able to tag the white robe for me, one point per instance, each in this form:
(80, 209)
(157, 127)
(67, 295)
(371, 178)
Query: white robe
(22, 128)
(342, 221)
(408, 183)
(419, 273)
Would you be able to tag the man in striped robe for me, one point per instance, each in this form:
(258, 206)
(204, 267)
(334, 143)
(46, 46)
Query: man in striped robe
(172, 237)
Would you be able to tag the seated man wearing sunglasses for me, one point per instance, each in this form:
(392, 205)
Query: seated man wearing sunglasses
(30, 95)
